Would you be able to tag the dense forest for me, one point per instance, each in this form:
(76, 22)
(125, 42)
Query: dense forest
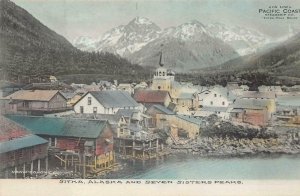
(30, 51)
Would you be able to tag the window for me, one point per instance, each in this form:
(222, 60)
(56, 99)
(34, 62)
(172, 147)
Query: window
(211, 103)
(223, 103)
(121, 131)
(81, 109)
(89, 100)
(163, 73)
(52, 141)
(95, 110)
(159, 73)
(159, 87)
(215, 95)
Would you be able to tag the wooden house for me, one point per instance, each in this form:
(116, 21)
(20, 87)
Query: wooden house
(253, 112)
(157, 113)
(35, 102)
(90, 142)
(269, 97)
(21, 153)
(105, 102)
(216, 97)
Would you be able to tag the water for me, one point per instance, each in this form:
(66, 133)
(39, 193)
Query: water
(240, 168)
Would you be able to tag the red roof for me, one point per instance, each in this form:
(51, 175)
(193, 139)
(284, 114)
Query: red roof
(151, 96)
(10, 130)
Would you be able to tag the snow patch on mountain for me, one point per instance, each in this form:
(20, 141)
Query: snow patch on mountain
(127, 39)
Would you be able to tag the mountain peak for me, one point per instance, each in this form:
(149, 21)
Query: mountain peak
(195, 22)
(141, 21)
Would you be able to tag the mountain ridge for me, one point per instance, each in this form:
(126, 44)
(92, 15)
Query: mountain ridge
(29, 50)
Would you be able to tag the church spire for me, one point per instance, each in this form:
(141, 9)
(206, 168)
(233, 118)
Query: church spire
(160, 58)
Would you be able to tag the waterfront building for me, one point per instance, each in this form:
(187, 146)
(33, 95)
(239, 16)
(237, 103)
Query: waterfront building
(153, 112)
(21, 153)
(251, 111)
(77, 142)
(269, 97)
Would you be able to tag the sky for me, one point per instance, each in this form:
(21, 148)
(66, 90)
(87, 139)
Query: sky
(74, 18)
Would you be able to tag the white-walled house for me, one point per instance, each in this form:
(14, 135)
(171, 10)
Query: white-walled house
(216, 97)
(105, 102)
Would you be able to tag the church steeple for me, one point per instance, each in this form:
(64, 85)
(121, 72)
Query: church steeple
(160, 58)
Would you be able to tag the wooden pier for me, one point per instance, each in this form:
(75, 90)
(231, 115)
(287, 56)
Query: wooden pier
(139, 148)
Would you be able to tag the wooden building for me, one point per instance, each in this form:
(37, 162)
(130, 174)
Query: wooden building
(150, 97)
(34, 102)
(139, 145)
(157, 113)
(254, 112)
(268, 97)
(105, 102)
(81, 143)
(22, 154)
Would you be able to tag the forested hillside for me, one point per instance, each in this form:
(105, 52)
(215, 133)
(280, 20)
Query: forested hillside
(31, 51)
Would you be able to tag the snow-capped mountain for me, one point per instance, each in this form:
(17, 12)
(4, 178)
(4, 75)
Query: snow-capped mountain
(243, 40)
(85, 43)
(125, 39)
(193, 30)
(193, 44)
(185, 47)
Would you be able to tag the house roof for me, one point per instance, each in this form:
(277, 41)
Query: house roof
(126, 112)
(22, 142)
(114, 98)
(214, 109)
(250, 104)
(256, 94)
(68, 95)
(217, 89)
(33, 95)
(151, 96)
(111, 118)
(191, 119)
(163, 109)
(65, 127)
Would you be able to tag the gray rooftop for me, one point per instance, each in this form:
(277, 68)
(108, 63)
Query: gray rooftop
(22, 142)
(250, 103)
(114, 98)
(163, 109)
(126, 112)
(191, 119)
(65, 127)
(214, 109)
